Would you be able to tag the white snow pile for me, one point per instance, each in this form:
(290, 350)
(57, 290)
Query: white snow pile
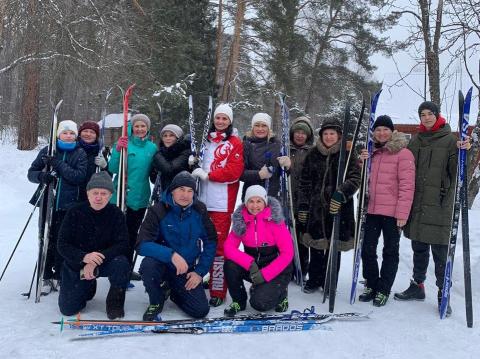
(398, 330)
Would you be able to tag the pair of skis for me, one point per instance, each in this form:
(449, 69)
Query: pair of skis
(199, 152)
(363, 200)
(123, 165)
(460, 206)
(260, 322)
(286, 190)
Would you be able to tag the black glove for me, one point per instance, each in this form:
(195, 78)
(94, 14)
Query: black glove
(336, 202)
(255, 274)
(46, 177)
(50, 161)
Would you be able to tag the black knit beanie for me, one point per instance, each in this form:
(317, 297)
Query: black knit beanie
(383, 120)
(429, 105)
(183, 179)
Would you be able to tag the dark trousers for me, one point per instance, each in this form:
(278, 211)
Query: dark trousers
(380, 281)
(54, 261)
(194, 302)
(134, 220)
(263, 297)
(303, 251)
(317, 268)
(74, 292)
(421, 254)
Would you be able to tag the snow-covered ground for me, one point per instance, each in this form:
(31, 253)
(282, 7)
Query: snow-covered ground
(398, 330)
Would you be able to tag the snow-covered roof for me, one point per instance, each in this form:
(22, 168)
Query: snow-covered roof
(400, 101)
(113, 120)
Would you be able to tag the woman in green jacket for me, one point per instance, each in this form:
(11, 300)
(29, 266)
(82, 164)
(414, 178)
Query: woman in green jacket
(435, 150)
(139, 164)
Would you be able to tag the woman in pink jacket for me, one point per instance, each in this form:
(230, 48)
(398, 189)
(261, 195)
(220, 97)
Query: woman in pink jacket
(391, 187)
(267, 260)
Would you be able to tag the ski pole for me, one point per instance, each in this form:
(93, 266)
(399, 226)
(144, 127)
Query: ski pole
(23, 231)
(31, 283)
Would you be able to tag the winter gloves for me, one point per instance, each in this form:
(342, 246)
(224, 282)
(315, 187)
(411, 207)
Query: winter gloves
(336, 202)
(192, 160)
(265, 172)
(50, 161)
(46, 177)
(100, 162)
(200, 173)
(255, 274)
(122, 143)
(284, 161)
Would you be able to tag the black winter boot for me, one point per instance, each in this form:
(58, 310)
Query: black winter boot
(115, 303)
(416, 291)
(233, 309)
(367, 295)
(310, 287)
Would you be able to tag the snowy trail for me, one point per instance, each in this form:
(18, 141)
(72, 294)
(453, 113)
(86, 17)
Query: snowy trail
(398, 330)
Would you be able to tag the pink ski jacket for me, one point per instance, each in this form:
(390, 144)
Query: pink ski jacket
(261, 235)
(392, 179)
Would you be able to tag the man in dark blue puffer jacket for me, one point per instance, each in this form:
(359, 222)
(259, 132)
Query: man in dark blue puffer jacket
(178, 240)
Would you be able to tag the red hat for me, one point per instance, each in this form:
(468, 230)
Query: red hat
(91, 125)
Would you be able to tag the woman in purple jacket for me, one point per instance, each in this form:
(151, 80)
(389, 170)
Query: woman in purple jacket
(391, 187)
(267, 258)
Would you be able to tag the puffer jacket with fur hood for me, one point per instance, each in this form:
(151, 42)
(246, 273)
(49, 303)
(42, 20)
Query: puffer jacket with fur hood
(265, 238)
(392, 179)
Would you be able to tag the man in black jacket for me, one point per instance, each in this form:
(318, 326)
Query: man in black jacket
(93, 240)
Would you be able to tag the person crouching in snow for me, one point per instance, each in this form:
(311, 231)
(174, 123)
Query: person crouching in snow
(93, 240)
(391, 187)
(267, 261)
(178, 240)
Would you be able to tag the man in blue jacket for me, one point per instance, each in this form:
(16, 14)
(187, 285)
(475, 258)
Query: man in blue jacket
(178, 241)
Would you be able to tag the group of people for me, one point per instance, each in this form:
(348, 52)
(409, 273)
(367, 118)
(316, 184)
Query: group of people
(190, 226)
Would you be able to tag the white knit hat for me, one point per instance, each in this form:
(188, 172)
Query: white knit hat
(226, 110)
(262, 117)
(67, 125)
(176, 130)
(256, 191)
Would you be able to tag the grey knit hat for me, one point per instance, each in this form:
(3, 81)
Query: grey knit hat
(141, 117)
(100, 180)
(176, 130)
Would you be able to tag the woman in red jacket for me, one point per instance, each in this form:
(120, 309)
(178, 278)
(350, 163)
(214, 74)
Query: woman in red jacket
(266, 261)
(391, 187)
(219, 174)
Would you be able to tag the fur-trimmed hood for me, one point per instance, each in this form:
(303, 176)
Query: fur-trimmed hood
(398, 142)
(273, 212)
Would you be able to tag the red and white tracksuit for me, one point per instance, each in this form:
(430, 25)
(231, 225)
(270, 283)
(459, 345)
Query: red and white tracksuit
(223, 160)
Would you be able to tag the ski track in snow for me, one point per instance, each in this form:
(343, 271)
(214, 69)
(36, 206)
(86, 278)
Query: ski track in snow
(398, 330)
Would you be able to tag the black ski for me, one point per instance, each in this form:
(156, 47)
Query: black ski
(331, 278)
(46, 209)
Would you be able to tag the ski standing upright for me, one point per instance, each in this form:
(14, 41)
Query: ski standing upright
(47, 205)
(122, 170)
(330, 286)
(362, 201)
(286, 190)
(460, 206)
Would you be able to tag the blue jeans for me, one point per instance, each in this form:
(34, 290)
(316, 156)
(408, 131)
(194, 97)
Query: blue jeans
(193, 302)
(74, 292)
